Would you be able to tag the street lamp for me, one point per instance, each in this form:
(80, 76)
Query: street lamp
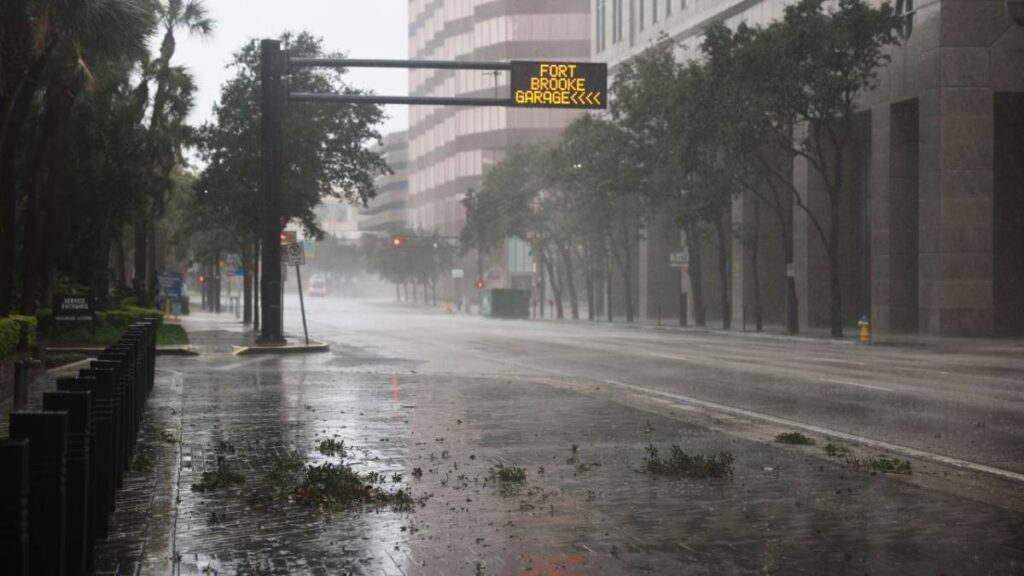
(1015, 8)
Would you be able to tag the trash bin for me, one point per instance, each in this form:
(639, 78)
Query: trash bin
(504, 303)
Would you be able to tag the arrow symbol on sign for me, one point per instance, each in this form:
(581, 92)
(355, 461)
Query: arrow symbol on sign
(573, 98)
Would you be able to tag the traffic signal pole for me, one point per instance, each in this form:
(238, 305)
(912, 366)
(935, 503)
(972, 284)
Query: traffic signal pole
(272, 67)
(580, 85)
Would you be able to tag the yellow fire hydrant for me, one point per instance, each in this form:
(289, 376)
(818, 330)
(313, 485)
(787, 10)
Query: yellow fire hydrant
(865, 330)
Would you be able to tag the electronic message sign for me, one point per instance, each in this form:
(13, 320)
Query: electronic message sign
(559, 84)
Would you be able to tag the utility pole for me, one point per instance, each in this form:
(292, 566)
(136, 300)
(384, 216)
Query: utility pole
(272, 64)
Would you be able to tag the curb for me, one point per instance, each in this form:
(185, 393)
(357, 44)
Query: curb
(314, 346)
(160, 351)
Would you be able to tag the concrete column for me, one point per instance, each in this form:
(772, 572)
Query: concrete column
(956, 201)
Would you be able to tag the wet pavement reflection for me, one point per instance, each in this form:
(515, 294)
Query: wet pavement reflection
(584, 510)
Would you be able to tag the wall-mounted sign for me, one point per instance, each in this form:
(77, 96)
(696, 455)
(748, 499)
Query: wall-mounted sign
(559, 84)
(679, 259)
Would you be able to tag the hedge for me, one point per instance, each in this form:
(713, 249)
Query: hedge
(29, 326)
(10, 334)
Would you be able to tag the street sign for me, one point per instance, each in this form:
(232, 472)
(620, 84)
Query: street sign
(559, 84)
(296, 255)
(679, 259)
(458, 273)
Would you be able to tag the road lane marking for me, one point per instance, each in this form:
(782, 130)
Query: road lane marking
(904, 450)
(242, 363)
(779, 371)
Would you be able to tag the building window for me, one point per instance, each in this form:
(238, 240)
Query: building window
(642, 19)
(905, 9)
(668, 8)
(616, 21)
(654, 11)
(600, 32)
(682, 5)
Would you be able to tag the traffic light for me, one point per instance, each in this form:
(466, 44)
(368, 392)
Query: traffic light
(284, 238)
(202, 278)
(480, 283)
(397, 241)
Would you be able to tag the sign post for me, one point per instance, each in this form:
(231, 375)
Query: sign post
(297, 257)
(681, 260)
(73, 308)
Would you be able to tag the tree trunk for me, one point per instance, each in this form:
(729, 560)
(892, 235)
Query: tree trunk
(834, 280)
(121, 268)
(609, 309)
(570, 276)
(246, 283)
(556, 288)
(755, 266)
(256, 284)
(588, 264)
(696, 274)
(625, 266)
(139, 281)
(723, 271)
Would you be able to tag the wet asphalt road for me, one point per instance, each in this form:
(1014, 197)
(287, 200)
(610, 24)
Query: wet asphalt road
(960, 400)
(434, 404)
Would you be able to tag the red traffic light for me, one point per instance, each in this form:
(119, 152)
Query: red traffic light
(284, 237)
(397, 241)
(480, 284)
(202, 278)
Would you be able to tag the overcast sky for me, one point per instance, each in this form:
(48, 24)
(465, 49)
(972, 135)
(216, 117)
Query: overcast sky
(362, 28)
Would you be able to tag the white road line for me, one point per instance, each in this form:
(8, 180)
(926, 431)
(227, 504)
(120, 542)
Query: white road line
(905, 450)
(792, 373)
(859, 385)
(235, 365)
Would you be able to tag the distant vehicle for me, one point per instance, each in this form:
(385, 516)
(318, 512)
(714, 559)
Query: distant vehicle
(317, 285)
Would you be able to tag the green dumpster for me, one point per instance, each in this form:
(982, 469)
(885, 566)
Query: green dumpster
(504, 303)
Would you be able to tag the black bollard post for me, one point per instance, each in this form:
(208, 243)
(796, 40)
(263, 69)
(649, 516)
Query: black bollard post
(14, 483)
(101, 465)
(21, 383)
(118, 418)
(78, 406)
(48, 433)
(118, 359)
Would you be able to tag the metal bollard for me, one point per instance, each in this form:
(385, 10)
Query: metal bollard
(101, 464)
(78, 406)
(14, 502)
(118, 421)
(48, 433)
(21, 383)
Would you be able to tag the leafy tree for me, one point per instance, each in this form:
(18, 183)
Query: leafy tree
(605, 186)
(827, 55)
(325, 148)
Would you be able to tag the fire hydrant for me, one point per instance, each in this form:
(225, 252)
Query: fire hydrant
(865, 330)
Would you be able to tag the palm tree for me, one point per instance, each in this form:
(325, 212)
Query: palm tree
(41, 40)
(189, 15)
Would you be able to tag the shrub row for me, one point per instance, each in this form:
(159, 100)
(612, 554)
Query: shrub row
(10, 334)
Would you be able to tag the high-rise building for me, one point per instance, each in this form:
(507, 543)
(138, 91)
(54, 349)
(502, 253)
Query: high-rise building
(450, 148)
(388, 211)
(932, 234)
